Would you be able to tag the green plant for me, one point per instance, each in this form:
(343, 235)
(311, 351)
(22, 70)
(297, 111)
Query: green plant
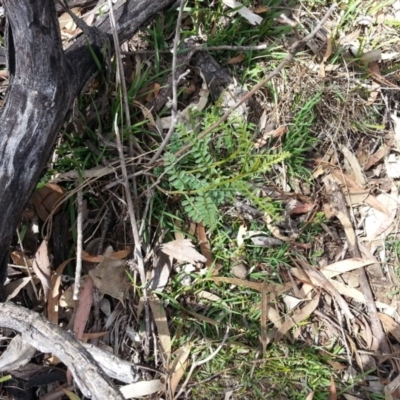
(219, 167)
(300, 137)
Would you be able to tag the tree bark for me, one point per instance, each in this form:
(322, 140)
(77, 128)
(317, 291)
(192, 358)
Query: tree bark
(43, 84)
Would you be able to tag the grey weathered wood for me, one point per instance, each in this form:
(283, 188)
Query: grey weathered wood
(49, 338)
(43, 84)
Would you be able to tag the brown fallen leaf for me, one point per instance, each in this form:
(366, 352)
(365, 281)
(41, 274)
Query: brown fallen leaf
(297, 317)
(390, 325)
(110, 278)
(42, 267)
(354, 186)
(236, 60)
(160, 319)
(183, 250)
(178, 366)
(14, 287)
(377, 156)
(83, 310)
(116, 255)
(332, 390)
(54, 295)
(205, 247)
(278, 132)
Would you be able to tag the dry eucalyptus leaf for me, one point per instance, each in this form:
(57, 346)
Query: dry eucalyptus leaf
(160, 319)
(142, 388)
(183, 250)
(42, 266)
(252, 18)
(17, 354)
(14, 287)
(178, 366)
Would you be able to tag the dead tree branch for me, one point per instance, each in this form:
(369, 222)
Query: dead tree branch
(43, 84)
(49, 338)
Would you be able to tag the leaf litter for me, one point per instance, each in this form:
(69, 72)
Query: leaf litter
(304, 298)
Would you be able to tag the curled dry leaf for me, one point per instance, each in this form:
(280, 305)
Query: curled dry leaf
(183, 250)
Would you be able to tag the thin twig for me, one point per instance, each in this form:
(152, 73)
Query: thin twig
(135, 231)
(174, 106)
(292, 52)
(79, 240)
(257, 47)
(197, 364)
(146, 208)
(134, 225)
(121, 80)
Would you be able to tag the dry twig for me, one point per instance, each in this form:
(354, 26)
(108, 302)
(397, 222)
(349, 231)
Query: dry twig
(174, 106)
(79, 240)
